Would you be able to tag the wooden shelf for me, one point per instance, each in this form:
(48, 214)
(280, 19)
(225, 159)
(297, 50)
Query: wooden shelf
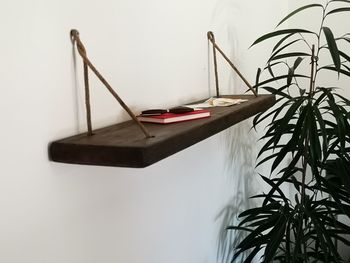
(124, 145)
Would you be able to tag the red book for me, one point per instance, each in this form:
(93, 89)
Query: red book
(173, 117)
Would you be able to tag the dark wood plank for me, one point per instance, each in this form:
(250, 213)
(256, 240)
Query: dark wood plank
(124, 145)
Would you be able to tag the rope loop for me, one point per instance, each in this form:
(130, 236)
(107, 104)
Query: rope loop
(80, 46)
(211, 36)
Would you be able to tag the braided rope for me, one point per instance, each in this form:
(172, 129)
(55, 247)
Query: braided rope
(211, 38)
(87, 64)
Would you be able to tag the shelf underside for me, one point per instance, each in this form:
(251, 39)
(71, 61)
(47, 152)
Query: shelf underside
(124, 145)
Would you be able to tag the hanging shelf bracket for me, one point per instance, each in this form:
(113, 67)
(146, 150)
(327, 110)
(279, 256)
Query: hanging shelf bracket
(123, 145)
(87, 64)
(211, 38)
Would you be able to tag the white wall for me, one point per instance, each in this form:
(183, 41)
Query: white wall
(155, 54)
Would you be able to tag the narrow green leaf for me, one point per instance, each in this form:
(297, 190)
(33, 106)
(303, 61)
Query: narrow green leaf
(322, 233)
(277, 234)
(270, 70)
(323, 130)
(297, 11)
(282, 48)
(290, 76)
(346, 67)
(274, 188)
(292, 70)
(340, 120)
(288, 116)
(332, 45)
(344, 72)
(271, 65)
(292, 145)
(295, 183)
(257, 79)
(288, 55)
(240, 228)
(252, 254)
(259, 210)
(297, 62)
(315, 145)
(345, 100)
(261, 117)
(278, 78)
(338, 10)
(336, 194)
(278, 91)
(347, 39)
(281, 155)
(281, 32)
(287, 174)
(281, 41)
(345, 1)
(344, 55)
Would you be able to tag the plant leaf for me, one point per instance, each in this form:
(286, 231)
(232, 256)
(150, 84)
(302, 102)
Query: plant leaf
(282, 48)
(257, 79)
(297, 62)
(277, 234)
(345, 1)
(332, 45)
(278, 78)
(287, 55)
(347, 73)
(252, 254)
(344, 55)
(270, 65)
(292, 70)
(347, 39)
(343, 9)
(281, 41)
(281, 32)
(297, 11)
(323, 130)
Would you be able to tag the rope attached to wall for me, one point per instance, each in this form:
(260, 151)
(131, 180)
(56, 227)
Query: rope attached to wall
(87, 64)
(211, 38)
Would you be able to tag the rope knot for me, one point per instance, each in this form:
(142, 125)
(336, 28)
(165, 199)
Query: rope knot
(74, 34)
(211, 37)
(76, 39)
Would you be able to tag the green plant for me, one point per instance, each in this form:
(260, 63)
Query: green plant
(306, 144)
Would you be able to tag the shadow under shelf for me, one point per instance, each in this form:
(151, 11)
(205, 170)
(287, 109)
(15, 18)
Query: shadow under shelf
(124, 145)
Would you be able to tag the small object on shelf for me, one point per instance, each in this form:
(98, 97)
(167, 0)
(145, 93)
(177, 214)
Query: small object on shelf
(217, 102)
(169, 117)
(181, 109)
(153, 112)
(176, 110)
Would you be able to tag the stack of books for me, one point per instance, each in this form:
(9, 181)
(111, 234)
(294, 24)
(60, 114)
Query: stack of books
(169, 117)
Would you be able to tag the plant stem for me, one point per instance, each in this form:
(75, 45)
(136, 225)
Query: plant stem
(312, 80)
(318, 42)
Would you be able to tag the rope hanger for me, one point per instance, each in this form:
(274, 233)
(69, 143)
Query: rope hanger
(87, 64)
(211, 38)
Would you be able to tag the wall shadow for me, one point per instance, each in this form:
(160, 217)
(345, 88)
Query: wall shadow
(240, 146)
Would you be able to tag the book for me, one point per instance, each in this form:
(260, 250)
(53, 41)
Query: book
(175, 117)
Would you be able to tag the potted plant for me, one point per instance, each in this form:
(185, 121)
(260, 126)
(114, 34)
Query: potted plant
(306, 144)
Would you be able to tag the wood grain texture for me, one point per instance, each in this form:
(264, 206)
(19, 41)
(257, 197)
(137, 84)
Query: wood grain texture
(124, 144)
